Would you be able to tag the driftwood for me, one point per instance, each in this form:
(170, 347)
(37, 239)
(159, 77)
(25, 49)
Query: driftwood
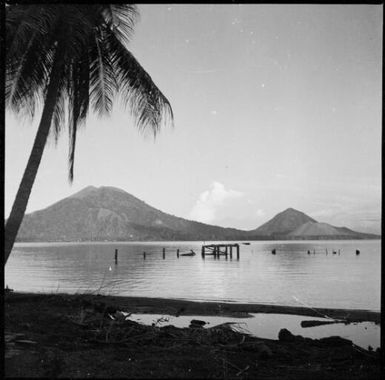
(192, 253)
(305, 324)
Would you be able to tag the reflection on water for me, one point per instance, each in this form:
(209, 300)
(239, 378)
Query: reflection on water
(291, 277)
(268, 326)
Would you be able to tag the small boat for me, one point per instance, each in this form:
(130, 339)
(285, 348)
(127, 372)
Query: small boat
(192, 253)
(246, 243)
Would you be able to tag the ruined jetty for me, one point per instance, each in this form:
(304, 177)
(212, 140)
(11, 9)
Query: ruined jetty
(220, 250)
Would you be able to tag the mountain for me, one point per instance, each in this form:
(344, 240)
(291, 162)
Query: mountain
(311, 230)
(316, 229)
(108, 213)
(292, 224)
(283, 223)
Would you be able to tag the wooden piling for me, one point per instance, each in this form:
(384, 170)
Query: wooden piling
(203, 251)
(177, 253)
(164, 253)
(144, 255)
(231, 251)
(116, 256)
(237, 251)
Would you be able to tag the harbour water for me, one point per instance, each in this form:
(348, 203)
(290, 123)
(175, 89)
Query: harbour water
(290, 277)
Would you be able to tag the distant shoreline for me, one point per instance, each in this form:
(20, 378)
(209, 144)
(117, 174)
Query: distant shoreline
(206, 308)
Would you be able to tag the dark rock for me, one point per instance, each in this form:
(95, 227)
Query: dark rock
(285, 335)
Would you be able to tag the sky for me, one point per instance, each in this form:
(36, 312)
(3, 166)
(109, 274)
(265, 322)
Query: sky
(275, 106)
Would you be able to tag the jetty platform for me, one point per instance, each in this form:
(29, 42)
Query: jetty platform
(220, 250)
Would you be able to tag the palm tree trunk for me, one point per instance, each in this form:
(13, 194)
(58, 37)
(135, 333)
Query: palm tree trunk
(22, 196)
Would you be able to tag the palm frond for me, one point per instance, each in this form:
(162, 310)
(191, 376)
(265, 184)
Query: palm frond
(27, 78)
(77, 30)
(59, 113)
(96, 65)
(103, 83)
(146, 102)
(74, 112)
(79, 99)
(121, 19)
(23, 23)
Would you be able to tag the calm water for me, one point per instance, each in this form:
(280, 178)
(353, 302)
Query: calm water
(267, 326)
(291, 277)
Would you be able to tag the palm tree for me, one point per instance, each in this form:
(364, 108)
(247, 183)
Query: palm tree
(70, 58)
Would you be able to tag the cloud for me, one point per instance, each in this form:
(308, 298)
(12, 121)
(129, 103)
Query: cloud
(260, 212)
(211, 200)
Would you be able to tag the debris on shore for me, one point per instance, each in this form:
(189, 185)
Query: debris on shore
(74, 336)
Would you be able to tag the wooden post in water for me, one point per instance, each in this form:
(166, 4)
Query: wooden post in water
(177, 253)
(326, 251)
(237, 251)
(144, 255)
(164, 253)
(203, 251)
(231, 251)
(116, 256)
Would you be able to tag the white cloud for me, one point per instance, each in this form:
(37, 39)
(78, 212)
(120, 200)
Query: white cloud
(260, 212)
(211, 200)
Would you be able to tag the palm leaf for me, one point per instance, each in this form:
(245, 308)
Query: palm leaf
(102, 77)
(121, 19)
(146, 102)
(79, 104)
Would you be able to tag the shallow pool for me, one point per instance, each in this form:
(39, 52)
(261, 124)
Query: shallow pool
(267, 326)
